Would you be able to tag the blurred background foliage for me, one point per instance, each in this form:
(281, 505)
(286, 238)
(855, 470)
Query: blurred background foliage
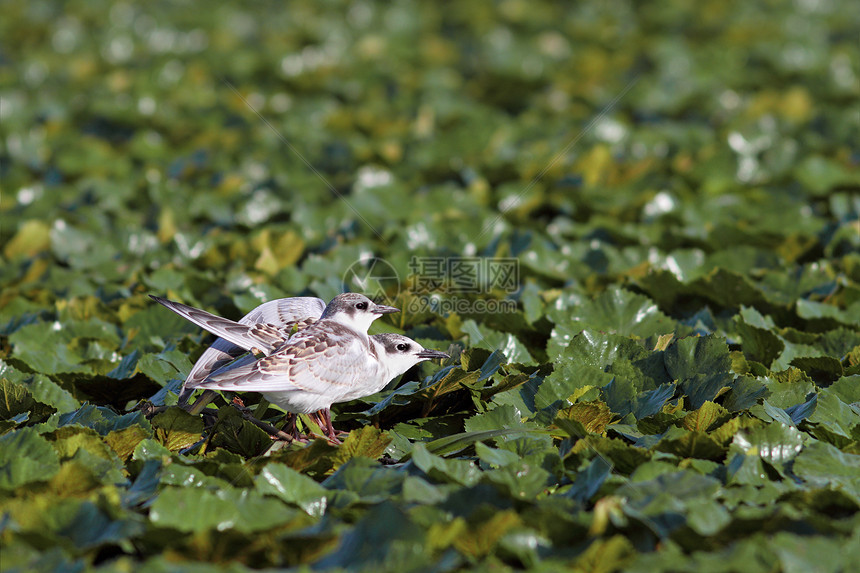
(656, 168)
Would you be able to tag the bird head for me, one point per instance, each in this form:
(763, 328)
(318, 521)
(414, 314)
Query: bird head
(355, 311)
(399, 353)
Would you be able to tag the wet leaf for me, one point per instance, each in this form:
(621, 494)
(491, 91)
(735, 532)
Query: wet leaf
(292, 487)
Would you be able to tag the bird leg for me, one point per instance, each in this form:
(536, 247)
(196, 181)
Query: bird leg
(325, 419)
(290, 426)
(324, 422)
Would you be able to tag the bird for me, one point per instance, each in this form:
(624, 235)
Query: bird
(322, 365)
(350, 311)
(271, 323)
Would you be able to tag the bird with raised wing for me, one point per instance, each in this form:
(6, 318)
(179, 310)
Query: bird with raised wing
(352, 311)
(272, 322)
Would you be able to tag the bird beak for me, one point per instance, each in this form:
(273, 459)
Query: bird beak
(431, 354)
(382, 309)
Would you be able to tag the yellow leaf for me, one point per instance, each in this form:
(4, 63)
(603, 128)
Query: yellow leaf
(124, 441)
(367, 441)
(606, 555)
(166, 225)
(594, 416)
(479, 541)
(32, 238)
(706, 417)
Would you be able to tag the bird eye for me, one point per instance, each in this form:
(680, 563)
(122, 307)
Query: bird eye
(361, 306)
(402, 347)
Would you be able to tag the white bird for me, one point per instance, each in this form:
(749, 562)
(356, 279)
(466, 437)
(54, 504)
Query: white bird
(324, 364)
(271, 323)
(345, 319)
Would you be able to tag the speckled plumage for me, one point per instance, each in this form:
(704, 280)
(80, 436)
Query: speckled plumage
(268, 327)
(324, 364)
(285, 314)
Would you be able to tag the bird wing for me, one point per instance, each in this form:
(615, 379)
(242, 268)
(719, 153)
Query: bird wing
(260, 336)
(323, 361)
(284, 313)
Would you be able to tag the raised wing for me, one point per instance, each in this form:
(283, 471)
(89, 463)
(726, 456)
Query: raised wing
(264, 337)
(286, 313)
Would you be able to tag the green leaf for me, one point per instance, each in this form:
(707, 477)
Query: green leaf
(611, 554)
(835, 415)
(232, 432)
(439, 469)
(687, 444)
(616, 310)
(456, 442)
(587, 361)
(292, 487)
(102, 419)
(127, 367)
(494, 456)
(123, 442)
(797, 553)
(365, 478)
(811, 310)
(776, 443)
(589, 480)
(701, 365)
(744, 392)
(759, 343)
(26, 457)
(820, 173)
(505, 343)
(16, 399)
(454, 380)
(847, 389)
(825, 368)
(778, 414)
(502, 417)
(727, 288)
(594, 416)
(622, 398)
(520, 480)
(84, 525)
(822, 465)
(30, 341)
(385, 539)
(198, 510)
(788, 388)
(31, 238)
(623, 457)
(659, 502)
(165, 366)
(155, 323)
